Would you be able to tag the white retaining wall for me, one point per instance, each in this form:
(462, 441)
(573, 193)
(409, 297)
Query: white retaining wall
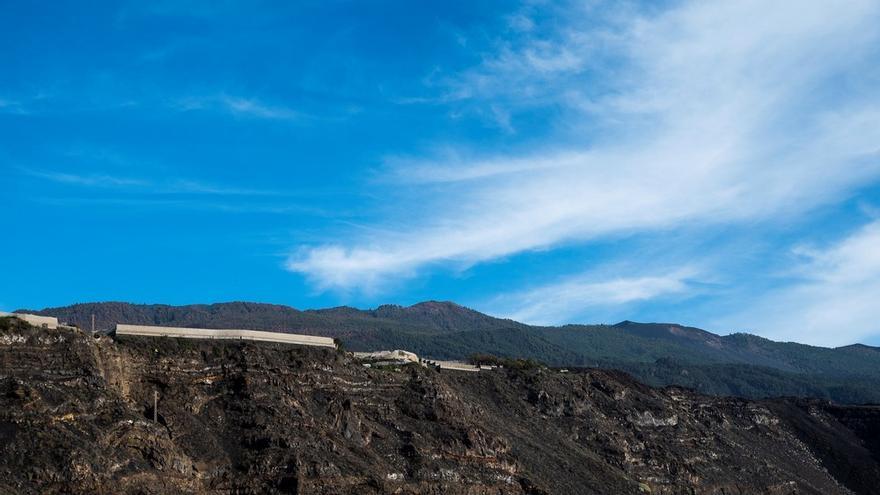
(207, 333)
(452, 365)
(35, 320)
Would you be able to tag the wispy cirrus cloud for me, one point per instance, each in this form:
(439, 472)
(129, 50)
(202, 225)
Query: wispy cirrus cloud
(98, 189)
(12, 106)
(176, 203)
(248, 107)
(563, 301)
(187, 186)
(831, 300)
(255, 108)
(146, 186)
(91, 180)
(713, 114)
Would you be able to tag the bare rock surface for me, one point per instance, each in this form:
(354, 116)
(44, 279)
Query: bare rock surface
(76, 416)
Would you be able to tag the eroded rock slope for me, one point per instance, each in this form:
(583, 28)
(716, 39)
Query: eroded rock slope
(76, 416)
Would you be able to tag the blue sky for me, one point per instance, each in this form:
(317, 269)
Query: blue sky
(710, 163)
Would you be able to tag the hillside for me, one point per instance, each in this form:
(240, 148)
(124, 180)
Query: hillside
(76, 416)
(656, 353)
(424, 318)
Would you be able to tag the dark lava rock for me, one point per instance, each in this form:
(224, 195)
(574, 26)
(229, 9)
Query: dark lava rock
(76, 416)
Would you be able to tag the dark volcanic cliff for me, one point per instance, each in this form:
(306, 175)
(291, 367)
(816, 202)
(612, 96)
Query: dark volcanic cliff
(76, 417)
(656, 353)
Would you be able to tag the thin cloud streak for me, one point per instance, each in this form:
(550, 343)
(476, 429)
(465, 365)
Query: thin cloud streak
(185, 186)
(173, 186)
(255, 108)
(91, 180)
(563, 301)
(12, 107)
(832, 302)
(238, 106)
(197, 204)
(724, 113)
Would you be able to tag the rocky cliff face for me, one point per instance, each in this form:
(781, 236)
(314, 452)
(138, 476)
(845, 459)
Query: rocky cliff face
(656, 353)
(76, 416)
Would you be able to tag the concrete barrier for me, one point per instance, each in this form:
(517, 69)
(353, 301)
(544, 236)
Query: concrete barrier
(226, 334)
(35, 320)
(452, 365)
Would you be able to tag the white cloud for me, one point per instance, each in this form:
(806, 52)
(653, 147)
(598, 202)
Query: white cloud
(564, 301)
(255, 108)
(239, 107)
(187, 186)
(833, 303)
(166, 186)
(720, 112)
(11, 106)
(520, 22)
(92, 180)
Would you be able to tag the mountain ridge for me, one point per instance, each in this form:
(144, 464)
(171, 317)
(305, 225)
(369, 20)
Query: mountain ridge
(655, 353)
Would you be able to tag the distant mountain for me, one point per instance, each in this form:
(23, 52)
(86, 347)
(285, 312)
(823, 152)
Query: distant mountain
(430, 317)
(656, 353)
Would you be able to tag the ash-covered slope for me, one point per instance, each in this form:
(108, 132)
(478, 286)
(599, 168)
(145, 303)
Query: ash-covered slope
(76, 417)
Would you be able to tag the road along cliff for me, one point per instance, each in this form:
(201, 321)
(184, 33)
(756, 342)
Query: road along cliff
(77, 416)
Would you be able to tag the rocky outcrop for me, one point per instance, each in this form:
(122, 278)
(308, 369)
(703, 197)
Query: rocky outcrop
(658, 354)
(76, 416)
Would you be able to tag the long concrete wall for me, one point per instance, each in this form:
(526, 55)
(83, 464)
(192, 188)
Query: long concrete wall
(35, 320)
(207, 333)
(452, 365)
